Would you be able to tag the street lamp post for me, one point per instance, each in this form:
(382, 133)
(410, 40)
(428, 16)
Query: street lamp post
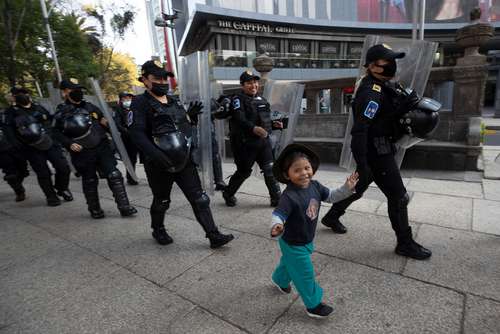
(51, 41)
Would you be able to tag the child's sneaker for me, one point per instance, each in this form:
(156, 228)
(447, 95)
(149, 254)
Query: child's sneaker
(320, 311)
(286, 290)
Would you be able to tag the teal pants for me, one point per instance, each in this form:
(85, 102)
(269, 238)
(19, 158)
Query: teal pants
(296, 266)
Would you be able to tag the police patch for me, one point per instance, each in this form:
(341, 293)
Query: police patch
(236, 103)
(377, 88)
(371, 109)
(94, 115)
(130, 118)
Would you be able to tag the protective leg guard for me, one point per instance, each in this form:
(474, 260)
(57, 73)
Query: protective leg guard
(271, 183)
(115, 183)
(157, 211)
(48, 189)
(235, 183)
(16, 184)
(89, 187)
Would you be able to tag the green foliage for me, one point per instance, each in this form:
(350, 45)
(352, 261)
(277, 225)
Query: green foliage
(25, 54)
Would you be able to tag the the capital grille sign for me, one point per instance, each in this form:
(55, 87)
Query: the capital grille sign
(256, 27)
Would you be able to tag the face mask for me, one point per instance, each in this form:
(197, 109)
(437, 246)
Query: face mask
(22, 100)
(126, 104)
(389, 69)
(159, 89)
(76, 95)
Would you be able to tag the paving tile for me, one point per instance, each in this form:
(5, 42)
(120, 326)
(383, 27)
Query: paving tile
(491, 189)
(486, 216)
(447, 211)
(200, 321)
(455, 188)
(462, 260)
(482, 316)
(367, 300)
(118, 303)
(228, 282)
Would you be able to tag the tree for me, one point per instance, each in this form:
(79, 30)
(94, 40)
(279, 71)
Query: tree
(121, 75)
(120, 21)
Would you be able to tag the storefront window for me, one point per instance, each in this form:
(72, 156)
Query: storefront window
(324, 101)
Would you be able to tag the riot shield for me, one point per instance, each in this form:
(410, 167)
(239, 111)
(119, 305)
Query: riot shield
(413, 72)
(285, 99)
(195, 80)
(99, 98)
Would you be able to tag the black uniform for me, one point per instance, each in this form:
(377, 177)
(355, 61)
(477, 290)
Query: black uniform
(163, 134)
(80, 123)
(373, 134)
(248, 148)
(14, 166)
(122, 117)
(217, 161)
(38, 152)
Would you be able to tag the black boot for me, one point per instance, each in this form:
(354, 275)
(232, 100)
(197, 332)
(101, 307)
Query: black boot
(66, 195)
(161, 236)
(16, 184)
(48, 189)
(157, 211)
(89, 187)
(218, 239)
(131, 181)
(203, 214)
(115, 183)
(331, 219)
(235, 183)
(218, 176)
(274, 190)
(408, 247)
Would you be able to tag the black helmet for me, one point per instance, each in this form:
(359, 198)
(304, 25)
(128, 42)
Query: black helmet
(177, 149)
(423, 119)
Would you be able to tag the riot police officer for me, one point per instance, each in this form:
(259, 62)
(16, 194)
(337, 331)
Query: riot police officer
(13, 164)
(32, 126)
(161, 130)
(373, 134)
(250, 125)
(81, 128)
(122, 116)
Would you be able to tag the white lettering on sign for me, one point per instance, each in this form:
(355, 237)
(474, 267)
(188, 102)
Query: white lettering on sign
(257, 27)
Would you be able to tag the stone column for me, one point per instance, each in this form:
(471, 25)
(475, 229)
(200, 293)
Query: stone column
(470, 76)
(264, 65)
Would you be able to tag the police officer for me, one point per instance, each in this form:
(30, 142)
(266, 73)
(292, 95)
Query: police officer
(222, 105)
(162, 131)
(250, 125)
(32, 126)
(373, 134)
(81, 128)
(123, 116)
(13, 164)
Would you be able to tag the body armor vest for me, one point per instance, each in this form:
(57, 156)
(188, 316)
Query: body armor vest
(78, 125)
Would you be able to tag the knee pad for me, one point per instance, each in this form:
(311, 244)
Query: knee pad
(267, 169)
(202, 201)
(399, 203)
(160, 205)
(115, 174)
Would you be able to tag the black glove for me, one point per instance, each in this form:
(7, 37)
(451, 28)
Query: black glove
(194, 109)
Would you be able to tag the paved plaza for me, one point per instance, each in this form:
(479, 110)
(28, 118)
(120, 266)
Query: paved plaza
(62, 272)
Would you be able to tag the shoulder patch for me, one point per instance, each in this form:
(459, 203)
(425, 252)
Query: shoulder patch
(94, 114)
(371, 109)
(236, 103)
(130, 118)
(377, 88)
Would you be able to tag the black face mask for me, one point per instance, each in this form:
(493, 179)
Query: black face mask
(76, 95)
(389, 69)
(159, 89)
(22, 100)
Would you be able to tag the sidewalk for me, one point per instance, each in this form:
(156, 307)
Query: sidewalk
(62, 272)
